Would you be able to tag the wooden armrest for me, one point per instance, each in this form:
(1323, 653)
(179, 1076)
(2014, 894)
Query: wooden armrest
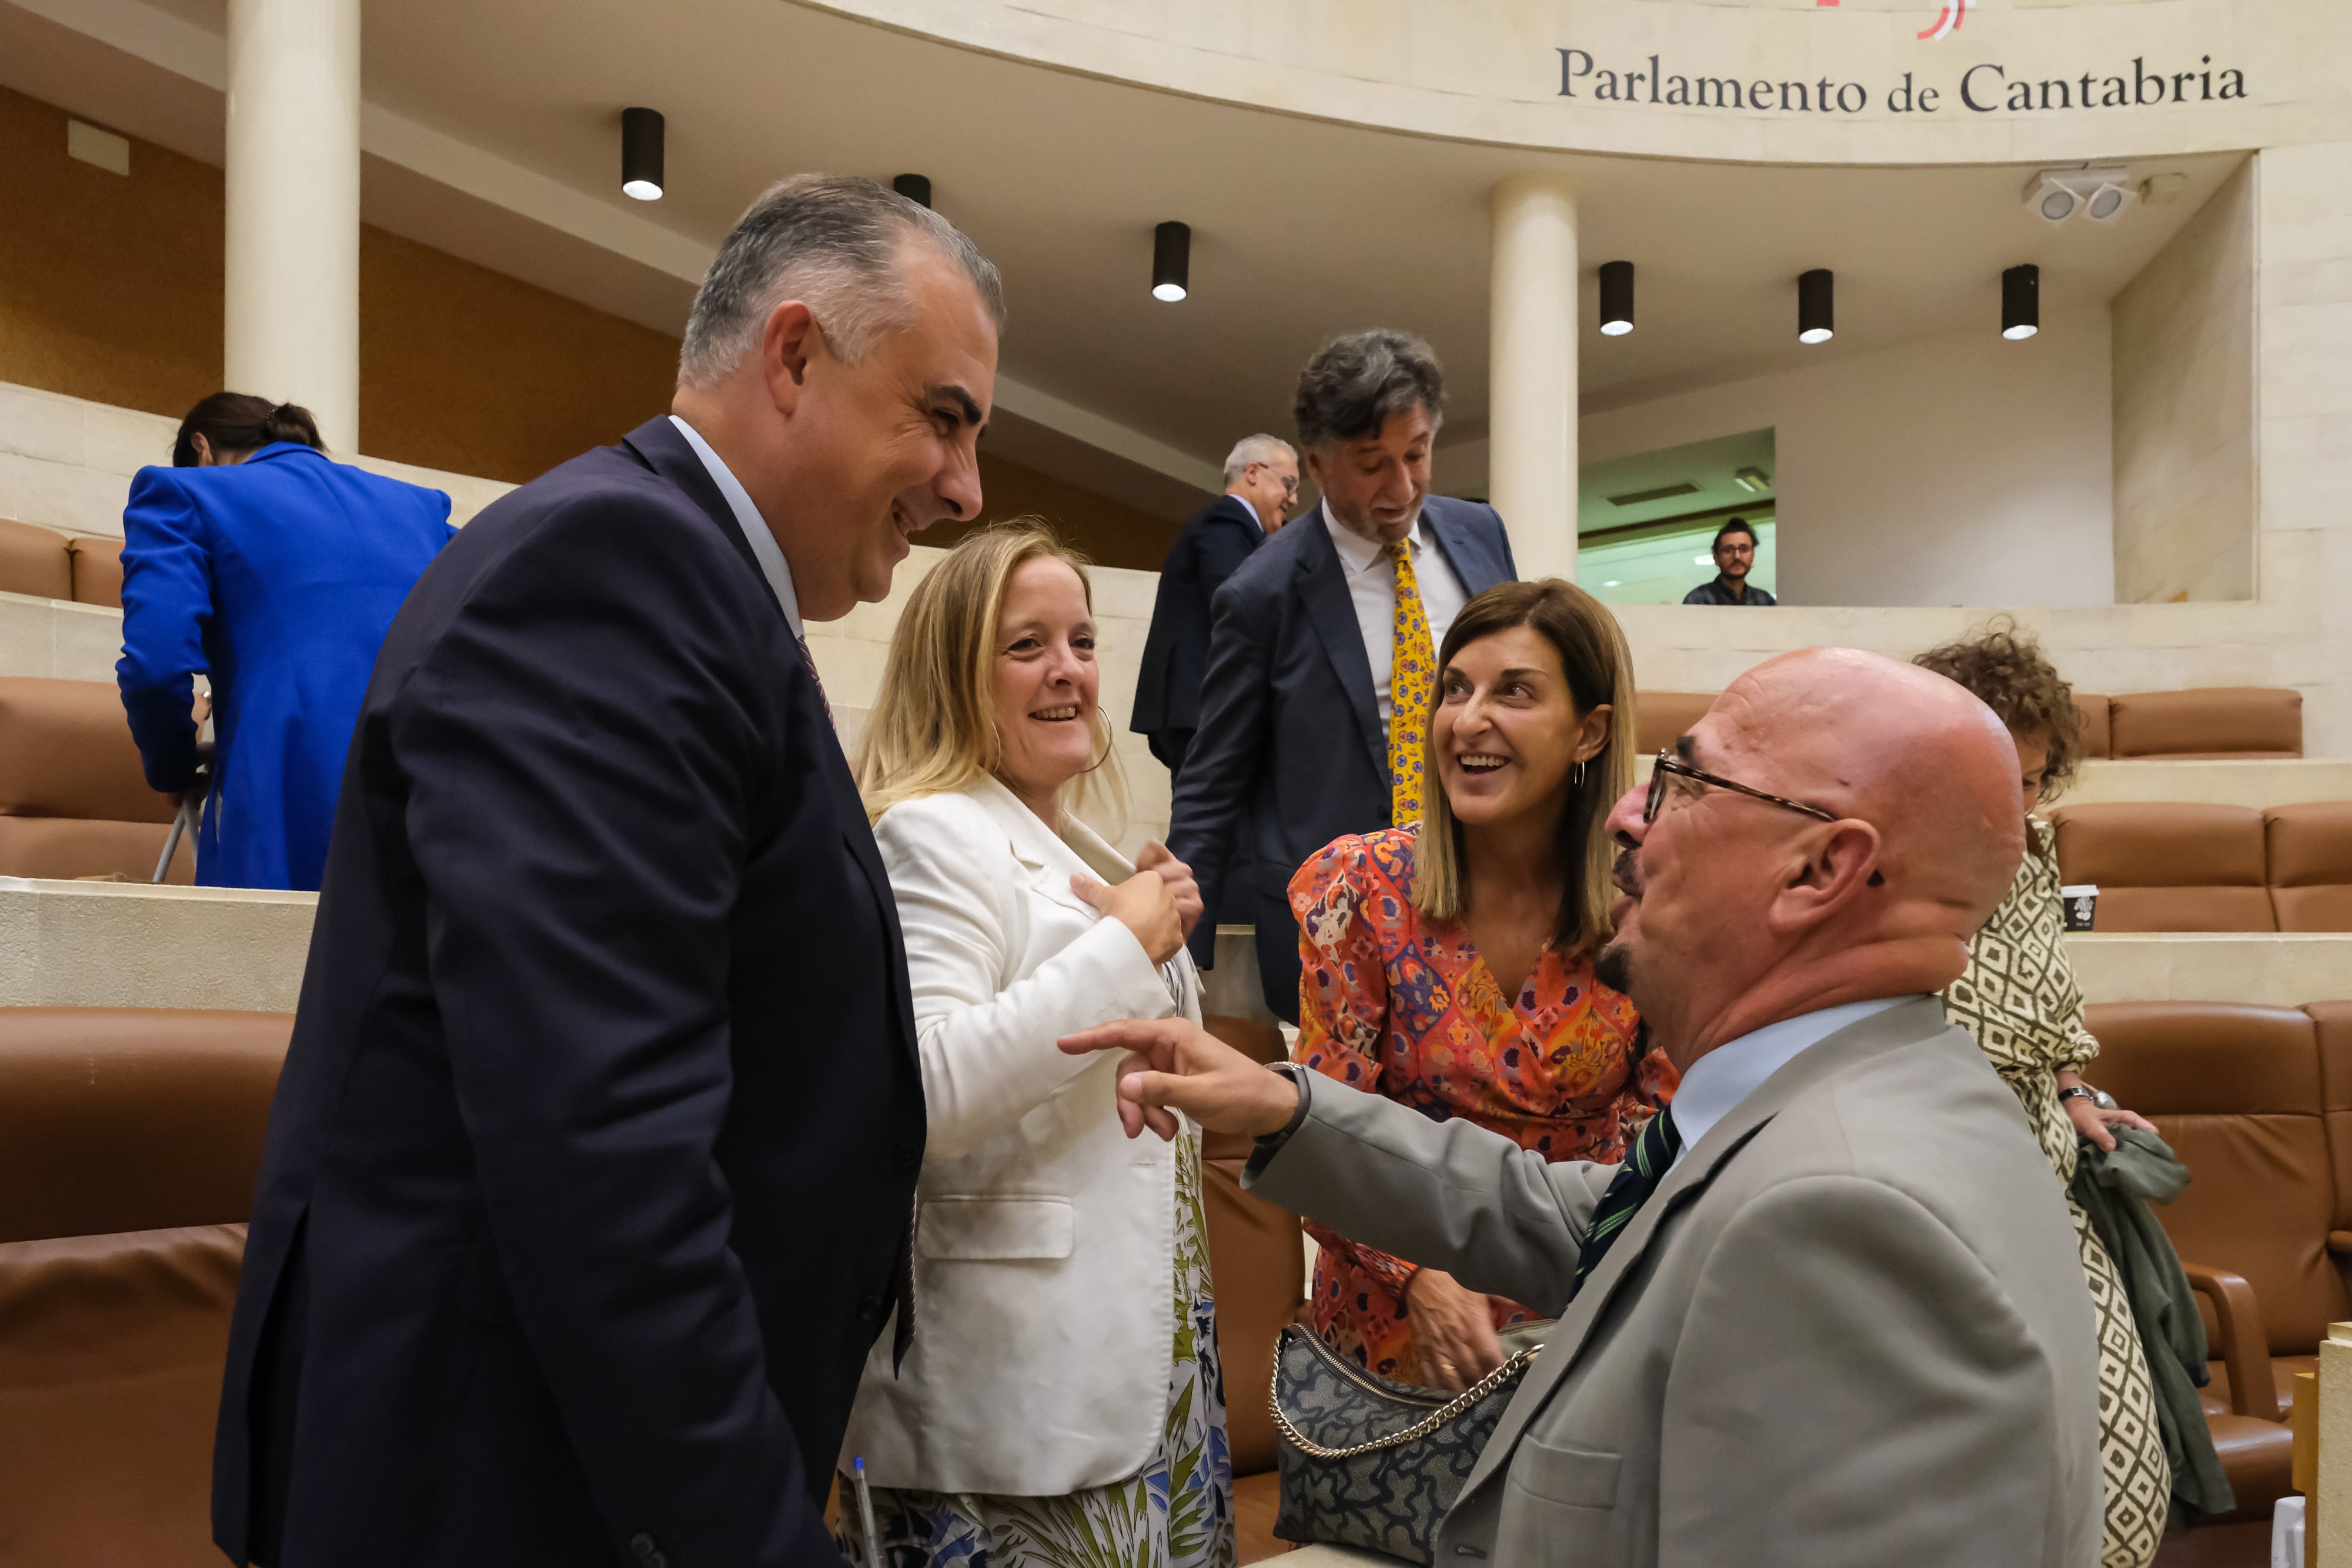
(2339, 1243)
(2244, 1348)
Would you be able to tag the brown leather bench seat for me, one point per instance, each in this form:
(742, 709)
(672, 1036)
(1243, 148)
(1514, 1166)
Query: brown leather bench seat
(2181, 866)
(130, 1141)
(2207, 723)
(2257, 1101)
(40, 562)
(2308, 851)
(1659, 717)
(2167, 866)
(73, 799)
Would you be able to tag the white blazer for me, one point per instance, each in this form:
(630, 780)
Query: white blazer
(1045, 1251)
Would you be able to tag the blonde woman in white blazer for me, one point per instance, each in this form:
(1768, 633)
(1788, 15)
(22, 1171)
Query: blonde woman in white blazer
(1061, 1406)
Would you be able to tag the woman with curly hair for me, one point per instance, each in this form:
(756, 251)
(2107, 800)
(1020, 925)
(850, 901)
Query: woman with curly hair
(2018, 998)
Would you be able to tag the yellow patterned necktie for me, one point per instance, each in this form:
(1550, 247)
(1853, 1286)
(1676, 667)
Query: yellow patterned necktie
(1412, 673)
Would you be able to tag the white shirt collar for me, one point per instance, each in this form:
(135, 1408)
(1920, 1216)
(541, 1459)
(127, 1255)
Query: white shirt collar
(764, 549)
(1717, 1082)
(1357, 553)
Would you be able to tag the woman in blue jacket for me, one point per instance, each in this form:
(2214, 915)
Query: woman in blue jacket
(275, 571)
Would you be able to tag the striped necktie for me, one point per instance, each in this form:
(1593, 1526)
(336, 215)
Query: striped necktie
(1413, 673)
(810, 660)
(1645, 1167)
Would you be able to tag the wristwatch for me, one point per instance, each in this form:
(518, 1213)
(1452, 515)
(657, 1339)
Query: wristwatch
(1298, 1076)
(2078, 1092)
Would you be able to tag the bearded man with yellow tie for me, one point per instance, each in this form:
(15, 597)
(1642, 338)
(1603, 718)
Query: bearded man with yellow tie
(1322, 648)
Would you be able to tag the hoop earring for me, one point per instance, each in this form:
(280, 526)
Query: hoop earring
(1579, 775)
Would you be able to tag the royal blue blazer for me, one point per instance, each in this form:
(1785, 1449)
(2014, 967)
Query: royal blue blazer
(277, 578)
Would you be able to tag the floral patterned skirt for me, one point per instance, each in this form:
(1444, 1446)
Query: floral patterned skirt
(1177, 1512)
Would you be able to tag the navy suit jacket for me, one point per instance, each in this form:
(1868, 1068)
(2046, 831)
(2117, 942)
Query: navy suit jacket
(1214, 543)
(1291, 752)
(590, 1173)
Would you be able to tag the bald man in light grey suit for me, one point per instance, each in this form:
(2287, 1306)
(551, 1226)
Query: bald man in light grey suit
(1829, 1314)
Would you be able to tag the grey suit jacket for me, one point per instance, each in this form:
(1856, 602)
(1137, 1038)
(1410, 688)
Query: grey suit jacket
(1849, 1328)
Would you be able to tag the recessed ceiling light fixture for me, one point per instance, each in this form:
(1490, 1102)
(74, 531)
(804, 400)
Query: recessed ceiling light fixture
(2020, 302)
(1171, 262)
(916, 188)
(1660, 493)
(1752, 480)
(641, 153)
(1816, 306)
(1616, 298)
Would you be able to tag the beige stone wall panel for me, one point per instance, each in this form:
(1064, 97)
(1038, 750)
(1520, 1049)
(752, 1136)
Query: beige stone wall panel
(1490, 73)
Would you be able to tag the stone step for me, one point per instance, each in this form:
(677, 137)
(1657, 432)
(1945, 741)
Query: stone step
(2283, 781)
(2278, 970)
(85, 943)
(58, 638)
(123, 945)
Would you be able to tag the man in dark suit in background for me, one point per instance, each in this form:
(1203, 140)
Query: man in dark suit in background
(1321, 656)
(1261, 483)
(588, 1178)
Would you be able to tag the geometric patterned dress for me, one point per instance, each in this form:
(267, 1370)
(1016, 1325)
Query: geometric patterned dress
(2019, 1001)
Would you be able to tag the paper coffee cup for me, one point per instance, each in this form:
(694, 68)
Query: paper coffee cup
(2082, 905)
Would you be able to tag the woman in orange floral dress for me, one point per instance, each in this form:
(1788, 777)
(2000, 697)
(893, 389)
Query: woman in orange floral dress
(1449, 966)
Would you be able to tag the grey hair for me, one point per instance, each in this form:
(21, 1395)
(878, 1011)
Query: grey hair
(832, 242)
(1256, 449)
(1354, 383)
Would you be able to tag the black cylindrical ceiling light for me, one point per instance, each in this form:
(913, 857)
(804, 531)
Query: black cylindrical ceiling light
(1616, 298)
(641, 153)
(2020, 302)
(1171, 261)
(1816, 306)
(916, 188)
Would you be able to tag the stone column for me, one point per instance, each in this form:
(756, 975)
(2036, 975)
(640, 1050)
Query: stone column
(1532, 385)
(292, 314)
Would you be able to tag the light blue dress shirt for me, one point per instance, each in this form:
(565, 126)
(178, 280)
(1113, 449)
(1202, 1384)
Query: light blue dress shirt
(1716, 1082)
(764, 550)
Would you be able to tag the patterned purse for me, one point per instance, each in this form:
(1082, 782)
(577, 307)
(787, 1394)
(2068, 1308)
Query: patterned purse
(1372, 1463)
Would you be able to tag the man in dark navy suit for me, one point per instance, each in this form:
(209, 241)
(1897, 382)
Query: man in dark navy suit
(589, 1181)
(1261, 483)
(1298, 742)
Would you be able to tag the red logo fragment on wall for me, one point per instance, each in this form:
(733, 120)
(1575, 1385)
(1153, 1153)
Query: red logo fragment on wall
(1946, 20)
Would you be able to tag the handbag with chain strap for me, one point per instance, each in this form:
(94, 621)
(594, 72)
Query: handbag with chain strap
(1373, 1463)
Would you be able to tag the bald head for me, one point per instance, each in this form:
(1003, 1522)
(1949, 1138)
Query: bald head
(1913, 753)
(1745, 911)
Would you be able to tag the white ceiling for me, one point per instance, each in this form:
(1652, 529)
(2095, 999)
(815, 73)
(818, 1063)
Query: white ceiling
(1301, 228)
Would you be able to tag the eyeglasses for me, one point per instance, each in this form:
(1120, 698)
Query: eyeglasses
(1289, 481)
(1669, 764)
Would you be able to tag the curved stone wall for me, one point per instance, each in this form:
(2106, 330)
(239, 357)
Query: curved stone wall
(1797, 81)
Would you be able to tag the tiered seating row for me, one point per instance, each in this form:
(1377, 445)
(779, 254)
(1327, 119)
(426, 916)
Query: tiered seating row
(73, 799)
(86, 568)
(2257, 1102)
(2210, 723)
(2174, 866)
(129, 1140)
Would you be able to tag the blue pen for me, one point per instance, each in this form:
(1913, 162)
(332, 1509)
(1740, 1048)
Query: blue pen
(866, 1512)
